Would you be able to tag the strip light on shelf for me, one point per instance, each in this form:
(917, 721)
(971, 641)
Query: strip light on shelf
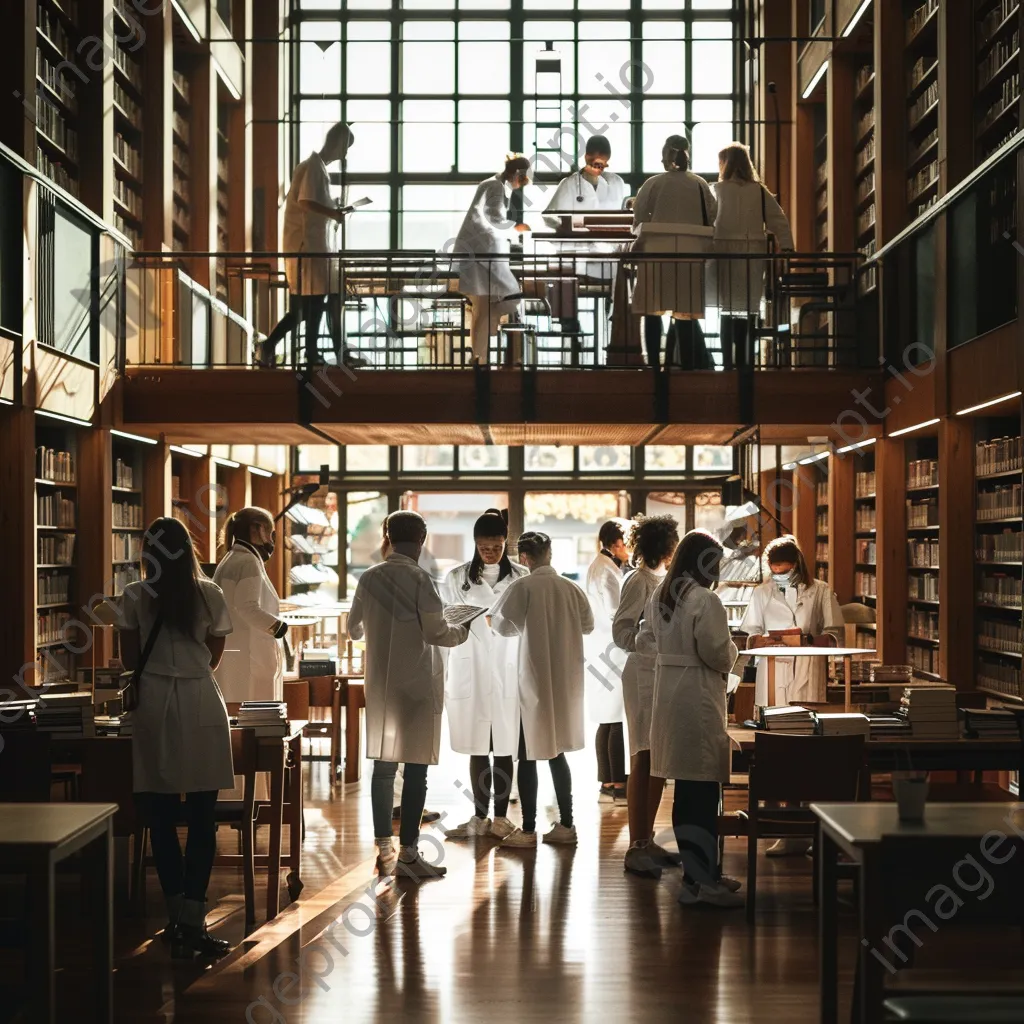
(260, 472)
(853, 447)
(813, 458)
(813, 84)
(852, 23)
(133, 437)
(193, 31)
(991, 401)
(64, 419)
(230, 463)
(187, 451)
(916, 426)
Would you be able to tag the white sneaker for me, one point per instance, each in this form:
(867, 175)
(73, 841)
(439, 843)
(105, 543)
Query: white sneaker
(713, 895)
(639, 861)
(787, 847)
(474, 827)
(731, 884)
(558, 833)
(502, 828)
(412, 865)
(666, 858)
(521, 840)
(386, 857)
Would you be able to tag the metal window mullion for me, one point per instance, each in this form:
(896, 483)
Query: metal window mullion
(394, 180)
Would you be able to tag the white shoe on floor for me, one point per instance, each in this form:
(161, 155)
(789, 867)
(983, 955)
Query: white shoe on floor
(502, 828)
(787, 847)
(639, 861)
(666, 858)
(732, 884)
(386, 857)
(713, 895)
(412, 865)
(520, 840)
(558, 833)
(468, 829)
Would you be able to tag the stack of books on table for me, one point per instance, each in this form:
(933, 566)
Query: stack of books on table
(843, 724)
(931, 712)
(891, 673)
(66, 714)
(114, 725)
(16, 715)
(992, 723)
(791, 719)
(264, 717)
(888, 727)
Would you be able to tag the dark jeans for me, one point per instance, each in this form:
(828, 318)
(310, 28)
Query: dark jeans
(560, 776)
(611, 753)
(382, 797)
(684, 340)
(308, 310)
(487, 780)
(695, 823)
(187, 875)
(737, 342)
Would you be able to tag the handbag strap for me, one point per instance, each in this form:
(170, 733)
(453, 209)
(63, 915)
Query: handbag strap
(703, 204)
(148, 649)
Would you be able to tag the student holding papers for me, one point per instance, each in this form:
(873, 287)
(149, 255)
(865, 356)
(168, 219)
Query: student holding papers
(481, 695)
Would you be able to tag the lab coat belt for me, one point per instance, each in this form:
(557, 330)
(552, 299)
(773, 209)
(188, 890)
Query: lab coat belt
(680, 660)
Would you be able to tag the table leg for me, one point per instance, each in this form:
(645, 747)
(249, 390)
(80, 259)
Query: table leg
(335, 730)
(248, 828)
(871, 982)
(828, 938)
(353, 742)
(42, 964)
(848, 678)
(771, 681)
(295, 823)
(99, 868)
(276, 823)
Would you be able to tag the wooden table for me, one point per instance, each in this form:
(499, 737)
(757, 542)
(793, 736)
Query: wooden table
(355, 701)
(783, 651)
(899, 862)
(34, 838)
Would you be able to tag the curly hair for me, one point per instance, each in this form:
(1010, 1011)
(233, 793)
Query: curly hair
(652, 539)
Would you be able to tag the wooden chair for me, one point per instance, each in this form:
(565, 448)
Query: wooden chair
(801, 769)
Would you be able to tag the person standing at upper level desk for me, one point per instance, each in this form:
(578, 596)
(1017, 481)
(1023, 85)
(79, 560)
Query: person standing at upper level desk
(592, 187)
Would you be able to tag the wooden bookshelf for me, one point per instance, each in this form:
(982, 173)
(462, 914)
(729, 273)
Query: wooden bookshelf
(865, 207)
(127, 514)
(997, 74)
(921, 58)
(821, 519)
(998, 556)
(194, 501)
(922, 527)
(57, 99)
(865, 546)
(127, 106)
(223, 202)
(181, 153)
(821, 176)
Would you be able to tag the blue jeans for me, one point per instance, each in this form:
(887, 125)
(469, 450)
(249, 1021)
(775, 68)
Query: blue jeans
(414, 798)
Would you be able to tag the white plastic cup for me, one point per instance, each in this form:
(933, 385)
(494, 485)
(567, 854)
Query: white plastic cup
(911, 796)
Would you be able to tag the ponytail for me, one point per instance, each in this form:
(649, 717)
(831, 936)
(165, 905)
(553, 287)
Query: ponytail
(677, 152)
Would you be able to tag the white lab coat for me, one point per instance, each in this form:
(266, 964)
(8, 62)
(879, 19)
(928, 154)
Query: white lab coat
(576, 195)
(481, 690)
(695, 653)
(304, 230)
(811, 609)
(485, 230)
(397, 608)
(638, 672)
(745, 211)
(551, 615)
(252, 667)
(604, 660)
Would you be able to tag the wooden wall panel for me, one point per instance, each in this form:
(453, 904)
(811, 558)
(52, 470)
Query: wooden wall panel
(805, 510)
(64, 385)
(156, 482)
(840, 532)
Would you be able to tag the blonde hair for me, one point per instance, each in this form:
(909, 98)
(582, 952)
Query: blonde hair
(736, 164)
(239, 524)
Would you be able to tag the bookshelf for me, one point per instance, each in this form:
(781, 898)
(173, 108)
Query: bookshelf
(998, 554)
(997, 74)
(821, 522)
(821, 186)
(127, 517)
(194, 500)
(223, 194)
(57, 94)
(864, 170)
(922, 525)
(56, 521)
(865, 554)
(922, 73)
(128, 120)
(181, 155)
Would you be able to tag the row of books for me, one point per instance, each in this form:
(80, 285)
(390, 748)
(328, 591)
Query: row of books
(1007, 546)
(864, 484)
(917, 109)
(128, 155)
(922, 624)
(866, 552)
(922, 513)
(1002, 502)
(53, 509)
(865, 518)
(997, 635)
(923, 659)
(922, 554)
(1009, 93)
(992, 723)
(127, 197)
(998, 676)
(1000, 455)
(993, 19)
(127, 547)
(923, 586)
(55, 465)
(128, 66)
(50, 626)
(50, 74)
(1001, 590)
(52, 587)
(124, 576)
(865, 584)
(996, 57)
(49, 24)
(53, 664)
(126, 514)
(57, 172)
(916, 184)
(58, 549)
(919, 16)
(124, 474)
(51, 123)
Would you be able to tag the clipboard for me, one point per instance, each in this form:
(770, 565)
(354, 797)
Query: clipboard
(365, 201)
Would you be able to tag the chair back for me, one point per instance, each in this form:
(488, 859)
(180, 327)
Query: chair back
(806, 768)
(25, 767)
(296, 699)
(107, 778)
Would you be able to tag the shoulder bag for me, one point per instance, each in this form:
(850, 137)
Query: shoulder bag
(130, 689)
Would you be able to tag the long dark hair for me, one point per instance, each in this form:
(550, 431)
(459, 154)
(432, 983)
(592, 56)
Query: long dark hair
(786, 549)
(172, 573)
(697, 558)
(493, 523)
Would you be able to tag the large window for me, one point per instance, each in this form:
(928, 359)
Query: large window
(437, 91)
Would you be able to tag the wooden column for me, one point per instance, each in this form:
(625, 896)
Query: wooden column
(199, 498)
(891, 549)
(266, 493)
(18, 81)
(96, 109)
(805, 511)
(957, 73)
(156, 482)
(775, 133)
(158, 107)
(841, 73)
(94, 540)
(956, 554)
(203, 179)
(890, 121)
(840, 527)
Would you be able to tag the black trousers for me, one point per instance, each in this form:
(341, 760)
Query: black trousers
(307, 310)
(737, 342)
(187, 875)
(560, 776)
(684, 340)
(695, 823)
(611, 753)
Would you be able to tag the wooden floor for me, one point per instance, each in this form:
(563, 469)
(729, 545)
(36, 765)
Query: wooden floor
(558, 934)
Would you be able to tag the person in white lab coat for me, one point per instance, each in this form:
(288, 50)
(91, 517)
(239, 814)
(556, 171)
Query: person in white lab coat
(652, 541)
(173, 623)
(676, 197)
(790, 599)
(747, 213)
(550, 615)
(605, 660)
(592, 187)
(313, 282)
(489, 284)
(252, 667)
(481, 690)
(398, 610)
(687, 627)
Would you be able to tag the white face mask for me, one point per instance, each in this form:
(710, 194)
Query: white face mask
(783, 579)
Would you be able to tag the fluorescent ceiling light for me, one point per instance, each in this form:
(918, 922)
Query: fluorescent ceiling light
(133, 437)
(6, 401)
(789, 465)
(260, 472)
(993, 401)
(188, 21)
(814, 458)
(813, 84)
(852, 24)
(186, 451)
(916, 426)
(225, 462)
(853, 447)
(64, 419)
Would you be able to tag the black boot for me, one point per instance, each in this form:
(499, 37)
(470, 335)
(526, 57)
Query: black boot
(190, 938)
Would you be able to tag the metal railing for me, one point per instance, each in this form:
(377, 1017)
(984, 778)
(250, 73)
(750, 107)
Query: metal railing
(584, 309)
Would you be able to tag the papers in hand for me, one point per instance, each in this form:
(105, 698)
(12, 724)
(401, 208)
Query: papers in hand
(462, 614)
(365, 201)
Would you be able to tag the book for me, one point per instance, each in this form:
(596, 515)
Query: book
(463, 614)
(842, 724)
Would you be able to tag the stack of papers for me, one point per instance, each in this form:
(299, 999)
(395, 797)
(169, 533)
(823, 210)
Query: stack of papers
(66, 714)
(462, 614)
(992, 723)
(931, 712)
(888, 727)
(113, 725)
(17, 714)
(792, 719)
(849, 723)
(264, 717)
